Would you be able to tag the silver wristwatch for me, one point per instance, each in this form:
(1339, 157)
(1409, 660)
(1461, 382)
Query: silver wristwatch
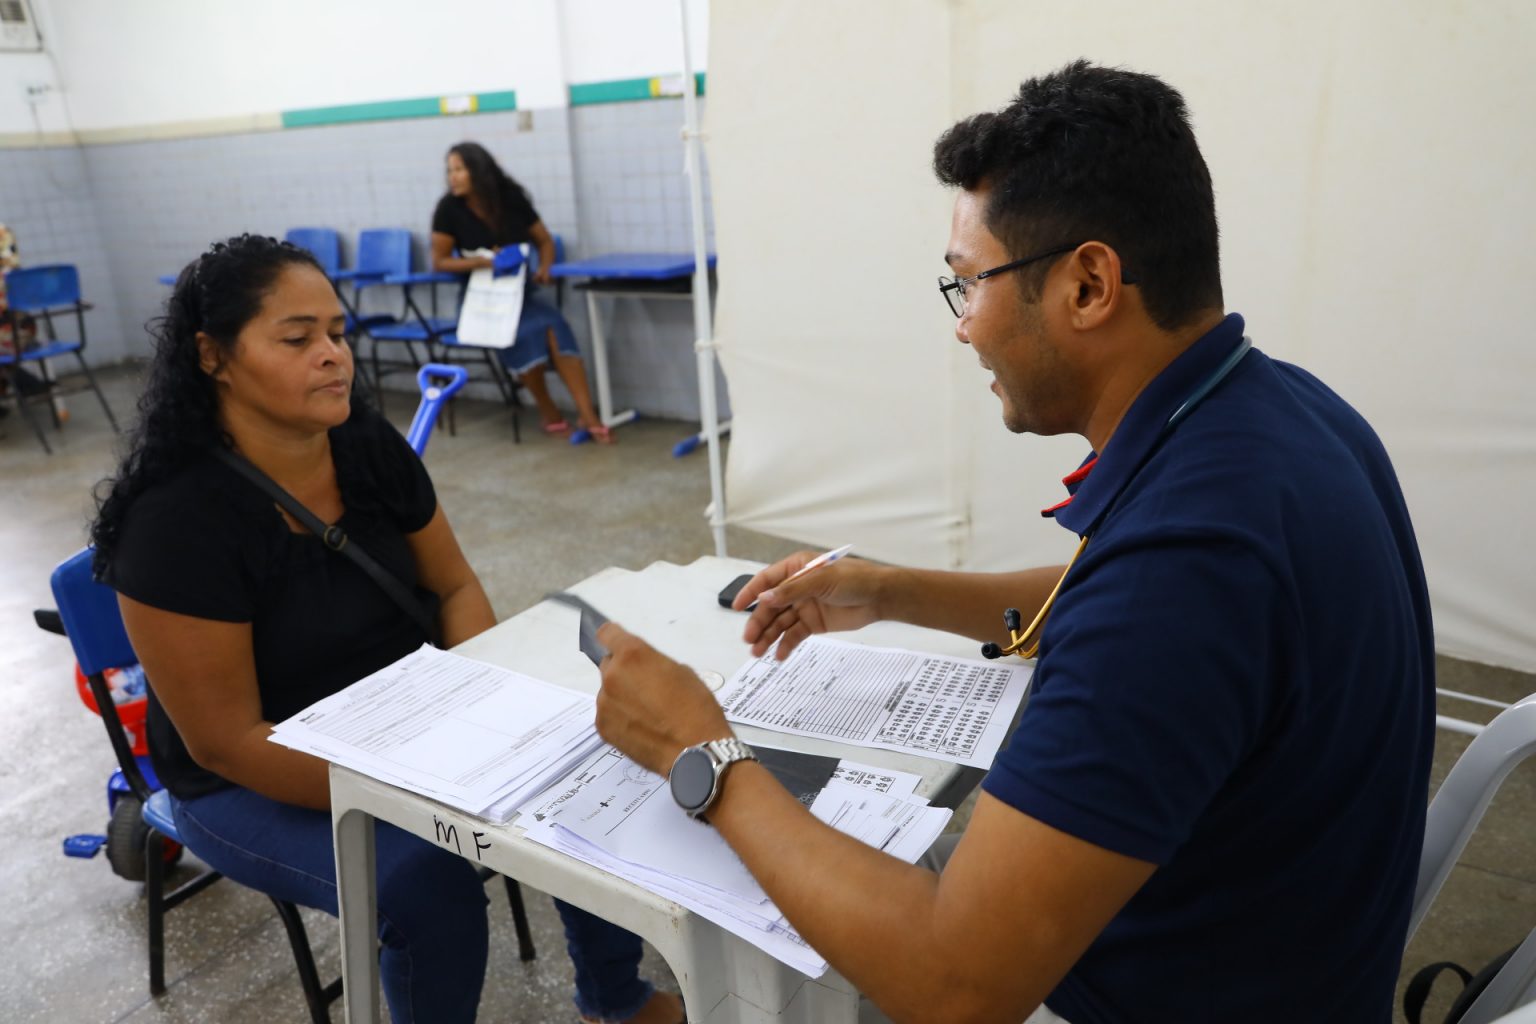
(696, 774)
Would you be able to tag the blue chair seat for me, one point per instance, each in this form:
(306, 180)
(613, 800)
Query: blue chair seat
(48, 351)
(398, 332)
(367, 320)
(157, 811)
(412, 330)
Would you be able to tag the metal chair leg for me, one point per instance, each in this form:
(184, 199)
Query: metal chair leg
(507, 384)
(90, 379)
(314, 995)
(154, 891)
(23, 404)
(525, 950)
(378, 377)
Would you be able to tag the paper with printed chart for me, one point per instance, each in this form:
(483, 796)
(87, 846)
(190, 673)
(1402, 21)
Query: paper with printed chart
(951, 709)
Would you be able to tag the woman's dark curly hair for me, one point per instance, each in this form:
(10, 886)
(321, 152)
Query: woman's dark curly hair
(493, 187)
(216, 294)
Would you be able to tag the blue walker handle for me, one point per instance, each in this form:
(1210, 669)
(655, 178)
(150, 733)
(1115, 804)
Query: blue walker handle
(433, 396)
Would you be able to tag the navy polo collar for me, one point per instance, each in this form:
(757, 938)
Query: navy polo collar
(1101, 477)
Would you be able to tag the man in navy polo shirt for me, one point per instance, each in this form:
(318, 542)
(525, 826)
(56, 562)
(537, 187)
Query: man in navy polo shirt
(1213, 806)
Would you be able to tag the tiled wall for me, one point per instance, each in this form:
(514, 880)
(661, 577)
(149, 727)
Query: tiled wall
(632, 196)
(605, 177)
(46, 201)
(162, 203)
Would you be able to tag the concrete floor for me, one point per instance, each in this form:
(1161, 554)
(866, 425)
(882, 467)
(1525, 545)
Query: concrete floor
(532, 518)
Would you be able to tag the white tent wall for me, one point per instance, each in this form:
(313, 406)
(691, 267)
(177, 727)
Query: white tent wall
(827, 230)
(1369, 162)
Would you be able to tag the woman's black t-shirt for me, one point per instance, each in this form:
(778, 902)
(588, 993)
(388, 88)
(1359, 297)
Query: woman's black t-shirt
(210, 544)
(454, 218)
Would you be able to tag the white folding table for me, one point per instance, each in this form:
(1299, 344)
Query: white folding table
(724, 980)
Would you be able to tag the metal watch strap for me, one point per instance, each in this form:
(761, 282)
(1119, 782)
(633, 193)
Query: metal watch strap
(729, 751)
(725, 753)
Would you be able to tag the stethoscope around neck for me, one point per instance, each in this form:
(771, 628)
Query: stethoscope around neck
(1026, 644)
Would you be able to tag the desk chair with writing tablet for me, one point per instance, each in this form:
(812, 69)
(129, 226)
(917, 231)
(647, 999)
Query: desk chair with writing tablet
(41, 293)
(384, 261)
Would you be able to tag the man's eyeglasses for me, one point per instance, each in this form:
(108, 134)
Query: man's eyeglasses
(953, 288)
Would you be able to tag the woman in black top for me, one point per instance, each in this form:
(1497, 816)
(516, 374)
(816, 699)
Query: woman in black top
(485, 209)
(241, 617)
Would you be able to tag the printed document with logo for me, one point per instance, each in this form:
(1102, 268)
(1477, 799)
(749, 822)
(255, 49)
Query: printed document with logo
(477, 737)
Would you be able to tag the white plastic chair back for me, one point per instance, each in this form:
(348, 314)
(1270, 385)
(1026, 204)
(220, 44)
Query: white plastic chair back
(1524, 1015)
(1454, 813)
(1461, 800)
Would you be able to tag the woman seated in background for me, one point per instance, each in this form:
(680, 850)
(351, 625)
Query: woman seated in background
(486, 209)
(242, 617)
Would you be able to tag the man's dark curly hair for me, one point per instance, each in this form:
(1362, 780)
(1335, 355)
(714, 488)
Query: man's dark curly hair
(217, 294)
(1097, 154)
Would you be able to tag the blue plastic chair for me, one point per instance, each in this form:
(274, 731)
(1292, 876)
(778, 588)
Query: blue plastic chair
(324, 243)
(43, 292)
(384, 260)
(95, 630)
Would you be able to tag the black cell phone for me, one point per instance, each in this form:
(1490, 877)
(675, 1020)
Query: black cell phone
(732, 589)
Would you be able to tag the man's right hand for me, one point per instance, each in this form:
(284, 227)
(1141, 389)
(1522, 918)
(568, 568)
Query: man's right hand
(830, 598)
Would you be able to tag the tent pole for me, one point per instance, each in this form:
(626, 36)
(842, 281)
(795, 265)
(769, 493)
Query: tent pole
(703, 333)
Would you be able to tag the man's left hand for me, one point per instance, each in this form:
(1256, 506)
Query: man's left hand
(651, 707)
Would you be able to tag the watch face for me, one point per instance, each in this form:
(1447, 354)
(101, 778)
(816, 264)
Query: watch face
(692, 778)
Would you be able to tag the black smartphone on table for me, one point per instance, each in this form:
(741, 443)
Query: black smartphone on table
(733, 588)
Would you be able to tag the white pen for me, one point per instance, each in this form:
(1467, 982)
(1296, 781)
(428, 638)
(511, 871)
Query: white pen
(816, 563)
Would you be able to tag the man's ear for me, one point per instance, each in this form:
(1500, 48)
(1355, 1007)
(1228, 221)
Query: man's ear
(1095, 269)
(209, 358)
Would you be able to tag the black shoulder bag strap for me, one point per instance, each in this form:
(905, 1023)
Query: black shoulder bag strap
(335, 538)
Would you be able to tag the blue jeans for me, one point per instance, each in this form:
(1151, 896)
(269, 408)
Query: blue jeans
(531, 347)
(432, 921)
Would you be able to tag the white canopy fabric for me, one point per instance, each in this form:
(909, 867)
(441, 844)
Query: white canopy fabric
(1378, 228)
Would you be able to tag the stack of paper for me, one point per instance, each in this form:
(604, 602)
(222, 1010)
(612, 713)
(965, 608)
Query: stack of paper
(474, 736)
(615, 815)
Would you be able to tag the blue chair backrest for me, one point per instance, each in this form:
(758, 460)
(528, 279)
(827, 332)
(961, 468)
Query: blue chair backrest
(91, 618)
(533, 253)
(48, 287)
(384, 251)
(325, 243)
